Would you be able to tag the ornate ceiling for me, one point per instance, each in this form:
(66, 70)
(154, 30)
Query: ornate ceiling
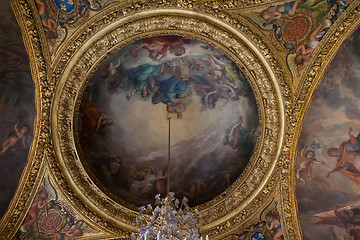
(235, 78)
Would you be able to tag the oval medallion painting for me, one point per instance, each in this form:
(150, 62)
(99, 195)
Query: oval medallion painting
(125, 112)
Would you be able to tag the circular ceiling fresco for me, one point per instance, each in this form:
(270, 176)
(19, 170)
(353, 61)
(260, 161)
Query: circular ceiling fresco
(124, 124)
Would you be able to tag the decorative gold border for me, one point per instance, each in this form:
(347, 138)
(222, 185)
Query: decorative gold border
(41, 150)
(321, 57)
(223, 213)
(30, 179)
(75, 207)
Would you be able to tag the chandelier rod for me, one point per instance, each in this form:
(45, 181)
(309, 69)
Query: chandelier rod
(168, 180)
(168, 217)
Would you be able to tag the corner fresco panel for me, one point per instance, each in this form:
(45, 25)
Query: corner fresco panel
(327, 170)
(57, 16)
(51, 218)
(295, 28)
(268, 227)
(16, 106)
(124, 120)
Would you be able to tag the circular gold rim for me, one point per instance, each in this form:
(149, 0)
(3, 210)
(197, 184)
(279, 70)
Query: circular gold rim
(81, 67)
(79, 98)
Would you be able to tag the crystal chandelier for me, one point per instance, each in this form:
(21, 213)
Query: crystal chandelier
(170, 219)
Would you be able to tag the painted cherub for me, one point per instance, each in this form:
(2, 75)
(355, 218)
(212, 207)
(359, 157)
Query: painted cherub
(114, 80)
(19, 134)
(69, 235)
(160, 45)
(273, 223)
(306, 160)
(303, 52)
(224, 76)
(115, 165)
(273, 13)
(176, 108)
(48, 22)
(34, 211)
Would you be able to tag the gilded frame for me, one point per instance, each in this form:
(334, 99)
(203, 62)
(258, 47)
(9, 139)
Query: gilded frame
(113, 36)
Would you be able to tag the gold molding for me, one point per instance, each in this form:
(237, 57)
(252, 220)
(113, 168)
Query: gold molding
(33, 39)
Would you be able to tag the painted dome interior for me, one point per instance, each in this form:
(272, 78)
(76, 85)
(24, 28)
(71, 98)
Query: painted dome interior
(124, 120)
